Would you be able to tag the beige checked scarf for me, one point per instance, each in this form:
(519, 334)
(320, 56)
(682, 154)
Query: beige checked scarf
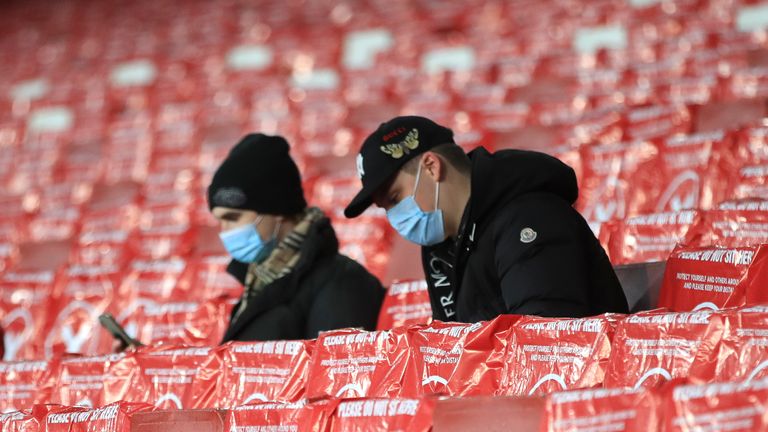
(281, 261)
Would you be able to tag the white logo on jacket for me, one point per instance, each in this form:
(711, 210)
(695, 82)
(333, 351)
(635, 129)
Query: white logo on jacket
(527, 235)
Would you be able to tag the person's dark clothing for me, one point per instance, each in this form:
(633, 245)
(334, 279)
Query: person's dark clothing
(522, 248)
(325, 291)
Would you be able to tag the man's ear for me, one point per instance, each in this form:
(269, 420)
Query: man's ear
(434, 166)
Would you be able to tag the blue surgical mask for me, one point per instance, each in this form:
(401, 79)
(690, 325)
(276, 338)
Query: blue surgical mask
(416, 225)
(244, 243)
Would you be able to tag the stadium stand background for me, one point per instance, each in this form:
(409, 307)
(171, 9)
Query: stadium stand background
(113, 116)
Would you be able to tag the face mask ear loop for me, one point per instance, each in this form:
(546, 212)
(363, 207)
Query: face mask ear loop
(418, 176)
(277, 229)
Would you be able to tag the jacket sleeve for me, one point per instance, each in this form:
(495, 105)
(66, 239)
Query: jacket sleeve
(352, 297)
(540, 258)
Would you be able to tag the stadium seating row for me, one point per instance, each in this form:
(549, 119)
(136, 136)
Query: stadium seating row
(652, 237)
(350, 380)
(509, 356)
(676, 406)
(160, 218)
(44, 313)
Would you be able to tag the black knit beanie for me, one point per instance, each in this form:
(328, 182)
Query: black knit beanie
(259, 175)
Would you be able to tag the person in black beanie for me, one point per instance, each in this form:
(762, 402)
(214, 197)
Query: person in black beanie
(284, 253)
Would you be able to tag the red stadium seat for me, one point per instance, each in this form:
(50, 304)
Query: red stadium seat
(25, 383)
(739, 224)
(738, 353)
(701, 407)
(244, 373)
(687, 173)
(618, 409)
(446, 357)
(353, 363)
(406, 303)
(714, 278)
(29, 419)
(25, 306)
(82, 294)
(79, 381)
(554, 354)
(656, 122)
(361, 415)
(115, 417)
(155, 279)
(180, 321)
(163, 376)
(607, 170)
(208, 278)
(297, 415)
(645, 238)
(652, 347)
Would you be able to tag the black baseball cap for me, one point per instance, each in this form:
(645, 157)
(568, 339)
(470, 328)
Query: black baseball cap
(387, 149)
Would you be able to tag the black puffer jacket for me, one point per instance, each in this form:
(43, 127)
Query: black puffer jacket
(522, 248)
(325, 291)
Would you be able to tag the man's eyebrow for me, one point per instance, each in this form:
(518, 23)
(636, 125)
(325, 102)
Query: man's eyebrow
(230, 216)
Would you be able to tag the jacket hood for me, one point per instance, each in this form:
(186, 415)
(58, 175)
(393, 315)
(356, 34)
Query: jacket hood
(507, 174)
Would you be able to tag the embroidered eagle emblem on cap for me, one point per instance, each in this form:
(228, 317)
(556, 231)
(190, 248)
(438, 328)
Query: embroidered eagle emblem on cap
(397, 150)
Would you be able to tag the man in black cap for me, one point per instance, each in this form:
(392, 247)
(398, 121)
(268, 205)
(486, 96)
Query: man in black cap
(499, 233)
(285, 254)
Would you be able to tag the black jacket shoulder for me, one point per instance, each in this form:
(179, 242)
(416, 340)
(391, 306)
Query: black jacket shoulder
(549, 262)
